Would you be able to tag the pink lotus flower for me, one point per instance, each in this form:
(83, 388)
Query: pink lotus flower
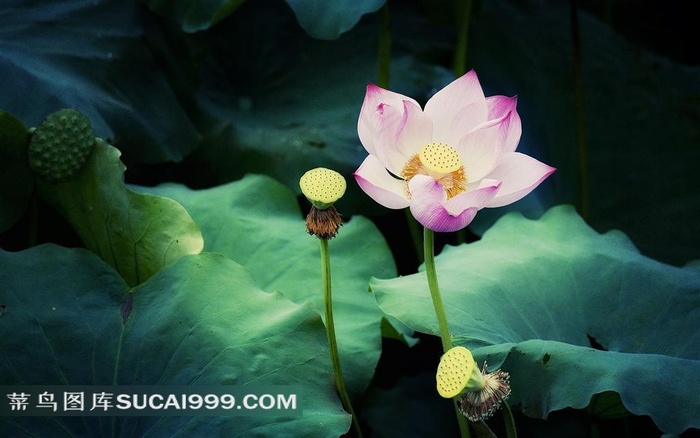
(448, 161)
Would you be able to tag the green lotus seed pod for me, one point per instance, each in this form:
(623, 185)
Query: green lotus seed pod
(323, 187)
(61, 145)
(457, 372)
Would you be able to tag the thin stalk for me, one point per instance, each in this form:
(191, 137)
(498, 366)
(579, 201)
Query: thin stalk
(429, 255)
(508, 420)
(581, 151)
(464, 12)
(330, 331)
(384, 55)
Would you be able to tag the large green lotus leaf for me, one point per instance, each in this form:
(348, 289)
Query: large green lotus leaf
(92, 56)
(328, 19)
(258, 223)
(202, 320)
(537, 295)
(137, 234)
(194, 15)
(16, 179)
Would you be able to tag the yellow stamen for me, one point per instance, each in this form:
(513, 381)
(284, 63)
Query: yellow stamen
(441, 162)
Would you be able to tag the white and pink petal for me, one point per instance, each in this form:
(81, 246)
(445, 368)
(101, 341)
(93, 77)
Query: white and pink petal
(412, 133)
(462, 100)
(481, 148)
(373, 114)
(511, 128)
(519, 174)
(430, 207)
(375, 180)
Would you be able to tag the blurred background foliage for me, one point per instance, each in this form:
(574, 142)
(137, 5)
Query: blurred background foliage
(205, 92)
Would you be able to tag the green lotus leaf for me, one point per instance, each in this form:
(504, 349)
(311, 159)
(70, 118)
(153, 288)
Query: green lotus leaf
(136, 234)
(328, 19)
(16, 178)
(257, 222)
(195, 15)
(570, 313)
(93, 56)
(70, 319)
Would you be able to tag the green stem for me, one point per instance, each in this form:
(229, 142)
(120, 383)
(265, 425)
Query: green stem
(384, 55)
(464, 12)
(508, 420)
(429, 255)
(330, 331)
(581, 150)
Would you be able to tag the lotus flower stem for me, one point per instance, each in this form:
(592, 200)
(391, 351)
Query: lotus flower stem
(330, 331)
(464, 10)
(384, 55)
(429, 255)
(581, 150)
(508, 420)
(428, 252)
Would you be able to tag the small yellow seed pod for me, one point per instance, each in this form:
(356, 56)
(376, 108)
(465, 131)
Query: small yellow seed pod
(457, 372)
(322, 187)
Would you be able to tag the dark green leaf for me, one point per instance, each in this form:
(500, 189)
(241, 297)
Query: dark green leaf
(91, 56)
(136, 234)
(328, 19)
(540, 296)
(194, 15)
(201, 320)
(257, 222)
(16, 179)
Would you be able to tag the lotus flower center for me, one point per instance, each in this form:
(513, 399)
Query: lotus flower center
(454, 371)
(441, 162)
(322, 186)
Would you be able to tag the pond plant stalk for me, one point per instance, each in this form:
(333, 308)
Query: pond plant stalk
(323, 187)
(431, 273)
